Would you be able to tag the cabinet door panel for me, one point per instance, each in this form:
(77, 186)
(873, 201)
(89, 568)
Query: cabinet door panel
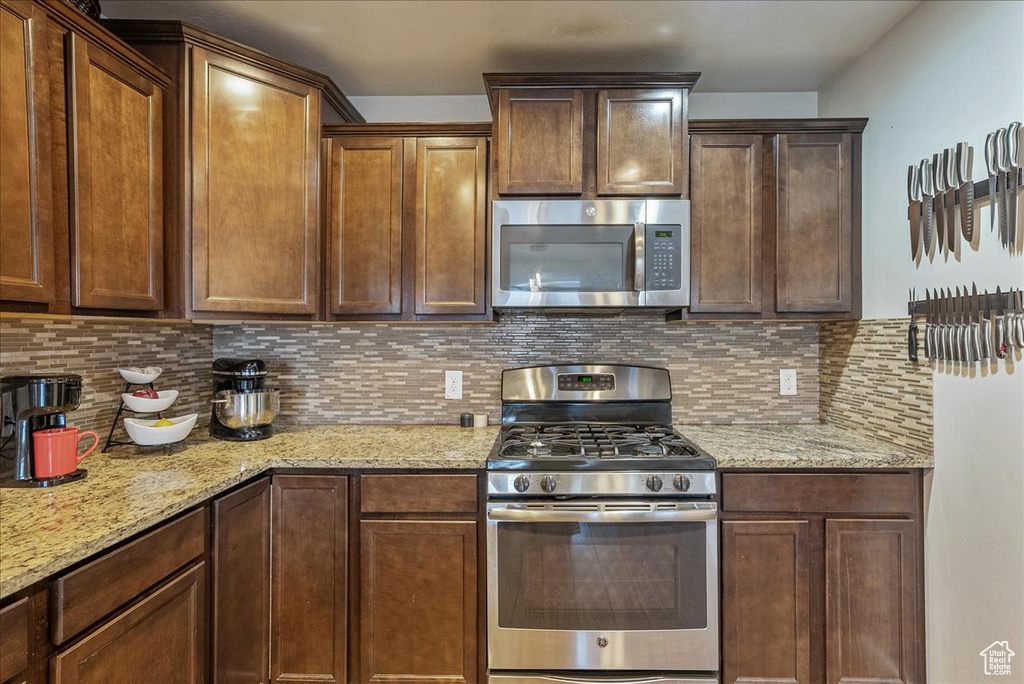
(815, 220)
(160, 639)
(871, 601)
(419, 601)
(116, 196)
(309, 554)
(641, 137)
(365, 253)
(539, 142)
(255, 179)
(726, 223)
(241, 585)
(26, 201)
(765, 602)
(450, 225)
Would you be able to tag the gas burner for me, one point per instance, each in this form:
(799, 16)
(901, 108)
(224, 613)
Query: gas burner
(538, 448)
(597, 441)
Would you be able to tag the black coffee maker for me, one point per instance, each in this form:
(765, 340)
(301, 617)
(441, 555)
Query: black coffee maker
(243, 406)
(30, 403)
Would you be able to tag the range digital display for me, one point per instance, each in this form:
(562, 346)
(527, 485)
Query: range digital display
(663, 233)
(585, 378)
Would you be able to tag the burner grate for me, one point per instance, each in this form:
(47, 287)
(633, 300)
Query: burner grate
(592, 440)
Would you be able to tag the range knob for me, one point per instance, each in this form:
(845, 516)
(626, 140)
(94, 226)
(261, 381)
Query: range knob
(547, 483)
(521, 483)
(681, 483)
(654, 483)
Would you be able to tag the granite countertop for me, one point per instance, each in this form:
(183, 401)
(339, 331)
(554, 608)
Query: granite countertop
(43, 531)
(799, 446)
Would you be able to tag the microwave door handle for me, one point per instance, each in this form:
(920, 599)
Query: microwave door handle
(639, 249)
(548, 515)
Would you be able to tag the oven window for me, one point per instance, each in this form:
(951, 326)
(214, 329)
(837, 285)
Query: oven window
(602, 576)
(566, 258)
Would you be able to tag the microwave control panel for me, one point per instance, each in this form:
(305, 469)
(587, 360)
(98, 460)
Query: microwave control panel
(664, 257)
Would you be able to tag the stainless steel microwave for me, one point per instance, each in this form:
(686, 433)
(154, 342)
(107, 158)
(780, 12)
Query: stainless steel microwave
(590, 253)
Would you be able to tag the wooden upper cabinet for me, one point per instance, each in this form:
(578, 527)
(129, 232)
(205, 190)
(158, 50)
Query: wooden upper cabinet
(815, 223)
(116, 194)
(726, 223)
(418, 601)
(255, 180)
(240, 580)
(309, 594)
(871, 605)
(159, 639)
(450, 208)
(538, 144)
(26, 219)
(766, 633)
(365, 225)
(641, 142)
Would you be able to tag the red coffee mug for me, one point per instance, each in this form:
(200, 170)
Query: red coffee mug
(56, 451)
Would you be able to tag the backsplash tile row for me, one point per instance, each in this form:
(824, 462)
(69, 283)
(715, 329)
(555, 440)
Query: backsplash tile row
(869, 387)
(96, 349)
(379, 373)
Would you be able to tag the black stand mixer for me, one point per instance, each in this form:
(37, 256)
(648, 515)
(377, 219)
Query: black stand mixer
(243, 407)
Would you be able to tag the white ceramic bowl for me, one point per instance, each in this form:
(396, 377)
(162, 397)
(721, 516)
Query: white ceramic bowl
(143, 433)
(139, 378)
(145, 405)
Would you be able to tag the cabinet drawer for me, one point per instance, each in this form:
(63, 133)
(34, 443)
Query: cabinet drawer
(819, 493)
(419, 494)
(85, 595)
(13, 639)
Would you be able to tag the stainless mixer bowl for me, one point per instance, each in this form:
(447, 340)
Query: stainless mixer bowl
(246, 409)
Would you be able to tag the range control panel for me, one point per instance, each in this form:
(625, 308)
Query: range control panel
(598, 382)
(664, 257)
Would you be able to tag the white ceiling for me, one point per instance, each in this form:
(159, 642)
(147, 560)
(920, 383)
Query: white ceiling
(442, 47)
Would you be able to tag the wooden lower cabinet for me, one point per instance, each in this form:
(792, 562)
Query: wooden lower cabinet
(240, 580)
(822, 595)
(162, 638)
(418, 617)
(309, 578)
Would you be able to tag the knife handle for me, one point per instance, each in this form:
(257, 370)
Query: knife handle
(991, 149)
(912, 342)
(927, 181)
(938, 174)
(913, 184)
(976, 341)
(1013, 145)
(949, 168)
(964, 162)
(1002, 158)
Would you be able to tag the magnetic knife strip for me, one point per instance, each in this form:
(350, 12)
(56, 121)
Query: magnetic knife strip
(965, 326)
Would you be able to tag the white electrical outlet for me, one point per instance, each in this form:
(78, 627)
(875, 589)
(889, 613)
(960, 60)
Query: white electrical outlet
(453, 384)
(787, 382)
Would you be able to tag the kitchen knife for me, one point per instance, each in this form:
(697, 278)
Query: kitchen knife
(965, 327)
(1013, 161)
(1018, 316)
(965, 174)
(1002, 168)
(976, 324)
(993, 177)
(958, 342)
(912, 332)
(947, 326)
(939, 186)
(927, 191)
(997, 322)
(949, 178)
(914, 209)
(927, 325)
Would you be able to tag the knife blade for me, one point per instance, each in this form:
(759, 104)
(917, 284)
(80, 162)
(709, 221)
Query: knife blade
(965, 173)
(914, 209)
(992, 171)
(998, 325)
(1002, 167)
(1013, 161)
(927, 191)
(912, 331)
(949, 178)
(939, 185)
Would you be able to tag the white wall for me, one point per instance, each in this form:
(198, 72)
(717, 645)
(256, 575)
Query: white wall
(474, 107)
(949, 72)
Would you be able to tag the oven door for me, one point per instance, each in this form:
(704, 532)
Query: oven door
(608, 585)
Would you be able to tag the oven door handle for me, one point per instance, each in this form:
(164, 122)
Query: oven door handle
(640, 253)
(554, 515)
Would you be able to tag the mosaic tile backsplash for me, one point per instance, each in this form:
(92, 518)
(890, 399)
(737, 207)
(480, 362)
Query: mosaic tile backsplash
(379, 373)
(96, 349)
(869, 387)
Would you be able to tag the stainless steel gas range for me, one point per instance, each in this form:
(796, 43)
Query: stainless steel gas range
(602, 533)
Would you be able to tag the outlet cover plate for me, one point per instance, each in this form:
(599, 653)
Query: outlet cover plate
(453, 384)
(787, 382)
